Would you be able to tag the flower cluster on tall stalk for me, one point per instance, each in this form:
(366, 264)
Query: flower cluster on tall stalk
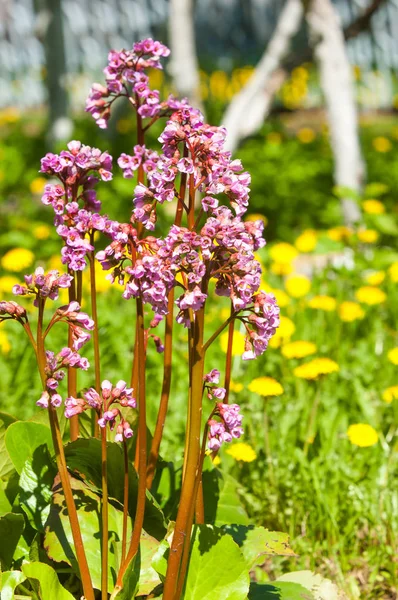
(208, 240)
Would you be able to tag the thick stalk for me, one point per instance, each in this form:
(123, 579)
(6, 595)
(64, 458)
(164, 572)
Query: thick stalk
(94, 314)
(191, 211)
(104, 517)
(187, 501)
(228, 361)
(62, 468)
(142, 451)
(125, 500)
(72, 373)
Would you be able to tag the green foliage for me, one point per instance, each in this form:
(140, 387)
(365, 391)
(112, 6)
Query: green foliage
(22, 438)
(9, 580)
(49, 586)
(11, 528)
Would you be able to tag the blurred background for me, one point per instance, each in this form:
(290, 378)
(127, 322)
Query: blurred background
(308, 91)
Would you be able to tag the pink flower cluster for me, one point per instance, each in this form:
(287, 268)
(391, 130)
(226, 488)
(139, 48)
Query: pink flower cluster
(261, 324)
(54, 374)
(78, 322)
(43, 286)
(213, 391)
(225, 429)
(12, 310)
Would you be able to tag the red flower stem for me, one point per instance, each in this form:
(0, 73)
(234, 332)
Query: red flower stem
(181, 535)
(62, 468)
(191, 205)
(199, 504)
(228, 361)
(104, 517)
(142, 451)
(94, 314)
(218, 331)
(125, 500)
(72, 374)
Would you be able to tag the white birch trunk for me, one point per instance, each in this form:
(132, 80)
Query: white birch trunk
(183, 65)
(338, 88)
(248, 109)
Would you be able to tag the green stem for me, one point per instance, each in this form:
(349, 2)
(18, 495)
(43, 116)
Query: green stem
(218, 331)
(104, 517)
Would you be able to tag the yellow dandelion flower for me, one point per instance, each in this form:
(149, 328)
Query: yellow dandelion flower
(350, 311)
(367, 236)
(5, 345)
(17, 259)
(306, 241)
(357, 72)
(242, 451)
(393, 356)
(298, 349)
(381, 144)
(281, 268)
(235, 387)
(306, 135)
(362, 435)
(315, 368)
(297, 286)
(393, 272)
(257, 217)
(274, 138)
(283, 333)
(101, 283)
(41, 232)
(225, 313)
(373, 207)
(338, 234)
(375, 278)
(216, 460)
(323, 302)
(238, 344)
(370, 295)
(283, 253)
(390, 394)
(55, 264)
(37, 185)
(265, 386)
(7, 282)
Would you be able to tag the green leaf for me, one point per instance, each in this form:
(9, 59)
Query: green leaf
(375, 189)
(84, 458)
(22, 438)
(58, 540)
(42, 417)
(149, 578)
(320, 587)
(386, 224)
(6, 466)
(5, 506)
(11, 528)
(257, 542)
(217, 569)
(35, 483)
(159, 559)
(130, 581)
(342, 191)
(9, 580)
(50, 587)
(222, 502)
(279, 591)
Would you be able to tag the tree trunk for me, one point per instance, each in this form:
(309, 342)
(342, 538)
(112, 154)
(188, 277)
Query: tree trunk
(338, 88)
(183, 64)
(248, 108)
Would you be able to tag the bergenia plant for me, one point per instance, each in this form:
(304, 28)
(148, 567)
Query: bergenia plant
(209, 249)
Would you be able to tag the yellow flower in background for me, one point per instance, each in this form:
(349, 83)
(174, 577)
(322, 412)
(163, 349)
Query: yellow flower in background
(375, 278)
(281, 268)
(373, 207)
(306, 241)
(257, 217)
(5, 345)
(216, 460)
(362, 435)
(37, 185)
(306, 135)
(283, 333)
(17, 259)
(393, 356)
(55, 264)
(41, 232)
(9, 115)
(242, 451)
(265, 386)
(338, 234)
(315, 368)
(357, 72)
(283, 253)
(324, 302)
(381, 144)
(298, 349)
(274, 138)
(370, 295)
(393, 272)
(101, 283)
(367, 236)
(7, 282)
(297, 286)
(390, 394)
(235, 387)
(238, 344)
(350, 311)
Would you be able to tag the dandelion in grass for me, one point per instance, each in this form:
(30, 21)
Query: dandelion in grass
(393, 272)
(238, 344)
(41, 232)
(375, 278)
(235, 387)
(373, 207)
(265, 386)
(306, 241)
(370, 295)
(17, 259)
(381, 144)
(281, 269)
(390, 394)
(283, 253)
(350, 311)
(37, 185)
(298, 349)
(297, 286)
(5, 345)
(7, 282)
(339, 234)
(283, 333)
(306, 135)
(367, 236)
(393, 356)
(242, 452)
(315, 368)
(362, 435)
(323, 302)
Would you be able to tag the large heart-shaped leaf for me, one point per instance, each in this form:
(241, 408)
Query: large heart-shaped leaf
(279, 590)
(257, 542)
(35, 483)
(6, 466)
(11, 528)
(49, 585)
(9, 580)
(22, 438)
(5, 505)
(320, 587)
(222, 502)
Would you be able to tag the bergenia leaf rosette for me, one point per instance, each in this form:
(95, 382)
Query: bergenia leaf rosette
(108, 405)
(54, 374)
